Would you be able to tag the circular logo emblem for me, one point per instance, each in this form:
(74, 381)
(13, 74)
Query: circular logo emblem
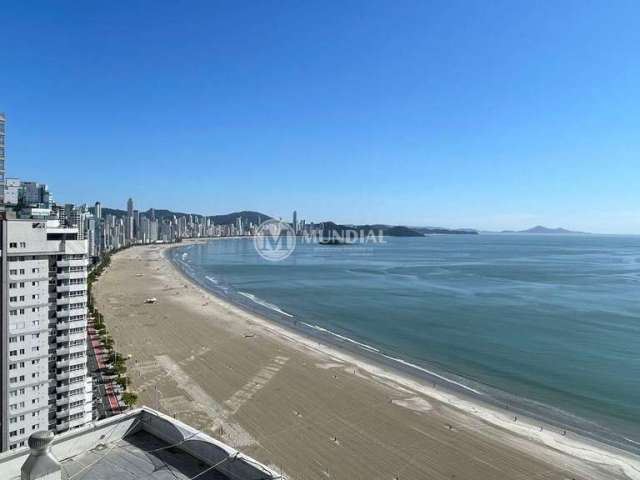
(274, 240)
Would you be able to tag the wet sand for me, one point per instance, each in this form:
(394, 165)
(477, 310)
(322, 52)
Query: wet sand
(308, 409)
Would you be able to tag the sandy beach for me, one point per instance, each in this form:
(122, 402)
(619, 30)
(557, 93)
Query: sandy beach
(310, 410)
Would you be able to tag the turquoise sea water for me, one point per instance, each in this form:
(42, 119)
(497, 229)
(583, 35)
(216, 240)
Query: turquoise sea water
(548, 325)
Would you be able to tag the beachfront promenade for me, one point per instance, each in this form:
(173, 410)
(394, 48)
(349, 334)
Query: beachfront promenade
(299, 409)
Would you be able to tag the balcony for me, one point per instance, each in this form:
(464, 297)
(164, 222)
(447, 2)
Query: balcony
(62, 426)
(77, 336)
(84, 262)
(62, 363)
(62, 338)
(66, 325)
(64, 350)
(62, 376)
(62, 388)
(71, 299)
(71, 337)
(71, 311)
(70, 275)
(71, 288)
(78, 348)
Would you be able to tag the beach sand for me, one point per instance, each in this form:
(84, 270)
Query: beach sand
(310, 410)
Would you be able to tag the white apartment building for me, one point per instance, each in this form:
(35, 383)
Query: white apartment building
(43, 364)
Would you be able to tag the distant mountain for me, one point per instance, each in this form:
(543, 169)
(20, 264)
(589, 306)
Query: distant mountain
(541, 229)
(402, 232)
(329, 228)
(247, 216)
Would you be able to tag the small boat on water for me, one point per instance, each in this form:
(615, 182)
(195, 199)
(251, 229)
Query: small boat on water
(334, 241)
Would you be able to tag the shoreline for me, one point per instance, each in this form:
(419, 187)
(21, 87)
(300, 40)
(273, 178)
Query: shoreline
(503, 403)
(525, 435)
(485, 410)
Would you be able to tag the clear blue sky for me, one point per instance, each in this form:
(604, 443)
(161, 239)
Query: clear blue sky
(473, 114)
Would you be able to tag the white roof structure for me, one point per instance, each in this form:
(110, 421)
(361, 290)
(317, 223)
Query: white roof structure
(139, 444)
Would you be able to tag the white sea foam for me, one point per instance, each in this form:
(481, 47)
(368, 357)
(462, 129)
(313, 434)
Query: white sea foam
(212, 280)
(432, 373)
(342, 337)
(389, 357)
(264, 303)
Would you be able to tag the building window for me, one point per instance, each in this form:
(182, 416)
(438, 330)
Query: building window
(13, 245)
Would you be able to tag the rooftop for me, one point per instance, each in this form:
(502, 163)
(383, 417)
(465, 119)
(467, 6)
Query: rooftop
(141, 444)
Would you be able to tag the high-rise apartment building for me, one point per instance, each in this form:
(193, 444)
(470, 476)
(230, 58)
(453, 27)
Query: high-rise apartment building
(43, 364)
(12, 187)
(130, 233)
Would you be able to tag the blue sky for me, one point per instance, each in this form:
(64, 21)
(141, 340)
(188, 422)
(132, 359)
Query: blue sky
(472, 114)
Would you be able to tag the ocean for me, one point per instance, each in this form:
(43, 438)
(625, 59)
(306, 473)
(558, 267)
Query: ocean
(545, 325)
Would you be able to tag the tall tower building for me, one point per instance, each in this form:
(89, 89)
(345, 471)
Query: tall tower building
(98, 210)
(2, 125)
(129, 225)
(43, 364)
(295, 222)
